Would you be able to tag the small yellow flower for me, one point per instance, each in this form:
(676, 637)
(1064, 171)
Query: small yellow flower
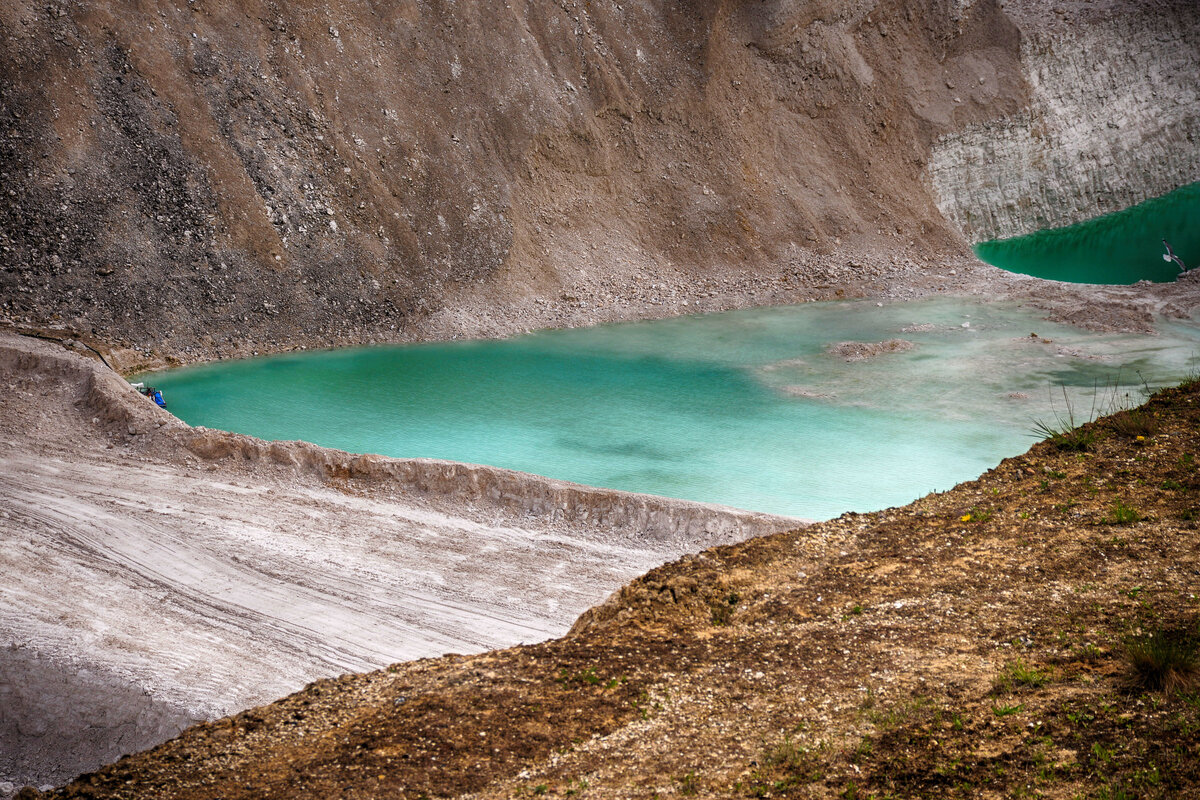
(1141, 438)
(965, 518)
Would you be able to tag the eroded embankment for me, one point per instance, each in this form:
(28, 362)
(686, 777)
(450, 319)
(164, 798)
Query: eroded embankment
(122, 412)
(970, 644)
(158, 575)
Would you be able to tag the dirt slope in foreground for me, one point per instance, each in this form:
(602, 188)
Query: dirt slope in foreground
(970, 644)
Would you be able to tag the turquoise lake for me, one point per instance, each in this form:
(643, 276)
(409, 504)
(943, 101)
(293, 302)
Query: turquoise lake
(745, 408)
(1119, 248)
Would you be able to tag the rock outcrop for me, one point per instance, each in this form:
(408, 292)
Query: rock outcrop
(1113, 119)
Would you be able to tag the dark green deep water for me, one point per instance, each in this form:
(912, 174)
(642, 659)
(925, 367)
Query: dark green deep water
(1119, 248)
(744, 408)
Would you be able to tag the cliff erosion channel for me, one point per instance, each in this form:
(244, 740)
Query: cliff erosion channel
(182, 182)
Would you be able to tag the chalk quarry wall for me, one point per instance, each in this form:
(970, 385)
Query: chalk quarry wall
(1113, 119)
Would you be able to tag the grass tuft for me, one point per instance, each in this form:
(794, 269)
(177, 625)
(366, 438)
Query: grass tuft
(1165, 659)
(1065, 435)
(1132, 423)
(1122, 514)
(1017, 674)
(1066, 432)
(1070, 432)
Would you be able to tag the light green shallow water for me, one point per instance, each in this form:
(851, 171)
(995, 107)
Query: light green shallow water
(709, 407)
(1119, 248)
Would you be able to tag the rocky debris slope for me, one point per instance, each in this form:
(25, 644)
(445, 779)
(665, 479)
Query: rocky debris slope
(1113, 119)
(971, 644)
(158, 575)
(228, 175)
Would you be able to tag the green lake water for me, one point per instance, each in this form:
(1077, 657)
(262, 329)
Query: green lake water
(1119, 248)
(744, 408)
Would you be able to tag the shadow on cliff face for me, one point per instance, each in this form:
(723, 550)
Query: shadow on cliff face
(225, 170)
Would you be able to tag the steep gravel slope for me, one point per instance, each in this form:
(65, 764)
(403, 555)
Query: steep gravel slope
(226, 175)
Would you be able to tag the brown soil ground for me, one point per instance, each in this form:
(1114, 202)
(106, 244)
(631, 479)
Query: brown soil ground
(973, 644)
